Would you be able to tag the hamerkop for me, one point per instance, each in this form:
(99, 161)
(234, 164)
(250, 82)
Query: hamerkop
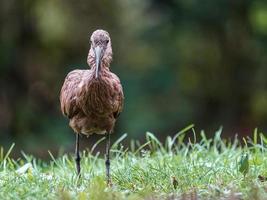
(93, 99)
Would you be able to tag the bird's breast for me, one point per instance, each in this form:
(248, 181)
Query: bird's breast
(100, 97)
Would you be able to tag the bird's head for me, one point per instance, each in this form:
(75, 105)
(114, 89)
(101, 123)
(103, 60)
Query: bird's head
(100, 53)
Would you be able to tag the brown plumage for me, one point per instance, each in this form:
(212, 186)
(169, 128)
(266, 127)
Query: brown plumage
(93, 99)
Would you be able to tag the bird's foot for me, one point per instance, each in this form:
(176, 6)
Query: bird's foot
(109, 183)
(78, 166)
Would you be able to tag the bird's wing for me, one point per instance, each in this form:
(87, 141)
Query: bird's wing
(118, 96)
(68, 94)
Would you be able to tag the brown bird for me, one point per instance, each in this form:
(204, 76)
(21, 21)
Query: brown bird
(93, 99)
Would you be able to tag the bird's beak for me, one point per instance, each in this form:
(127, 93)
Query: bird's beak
(98, 58)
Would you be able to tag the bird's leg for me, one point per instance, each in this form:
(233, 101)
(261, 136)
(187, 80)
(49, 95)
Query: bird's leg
(77, 154)
(107, 158)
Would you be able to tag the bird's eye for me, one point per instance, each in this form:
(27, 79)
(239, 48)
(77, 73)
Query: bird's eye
(107, 41)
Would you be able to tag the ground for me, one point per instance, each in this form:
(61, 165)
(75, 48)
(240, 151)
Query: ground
(175, 169)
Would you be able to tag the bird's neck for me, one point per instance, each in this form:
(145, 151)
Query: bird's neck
(104, 70)
(104, 65)
(106, 60)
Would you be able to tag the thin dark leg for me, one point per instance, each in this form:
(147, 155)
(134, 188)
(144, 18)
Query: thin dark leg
(107, 158)
(77, 154)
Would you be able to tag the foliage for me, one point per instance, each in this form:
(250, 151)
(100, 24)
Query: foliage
(176, 169)
(244, 164)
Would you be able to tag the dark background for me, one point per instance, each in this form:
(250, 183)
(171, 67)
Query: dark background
(180, 62)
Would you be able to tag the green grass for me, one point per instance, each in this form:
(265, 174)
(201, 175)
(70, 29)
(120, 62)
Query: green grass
(176, 169)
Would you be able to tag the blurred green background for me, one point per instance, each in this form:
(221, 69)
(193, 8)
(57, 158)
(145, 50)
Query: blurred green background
(180, 62)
